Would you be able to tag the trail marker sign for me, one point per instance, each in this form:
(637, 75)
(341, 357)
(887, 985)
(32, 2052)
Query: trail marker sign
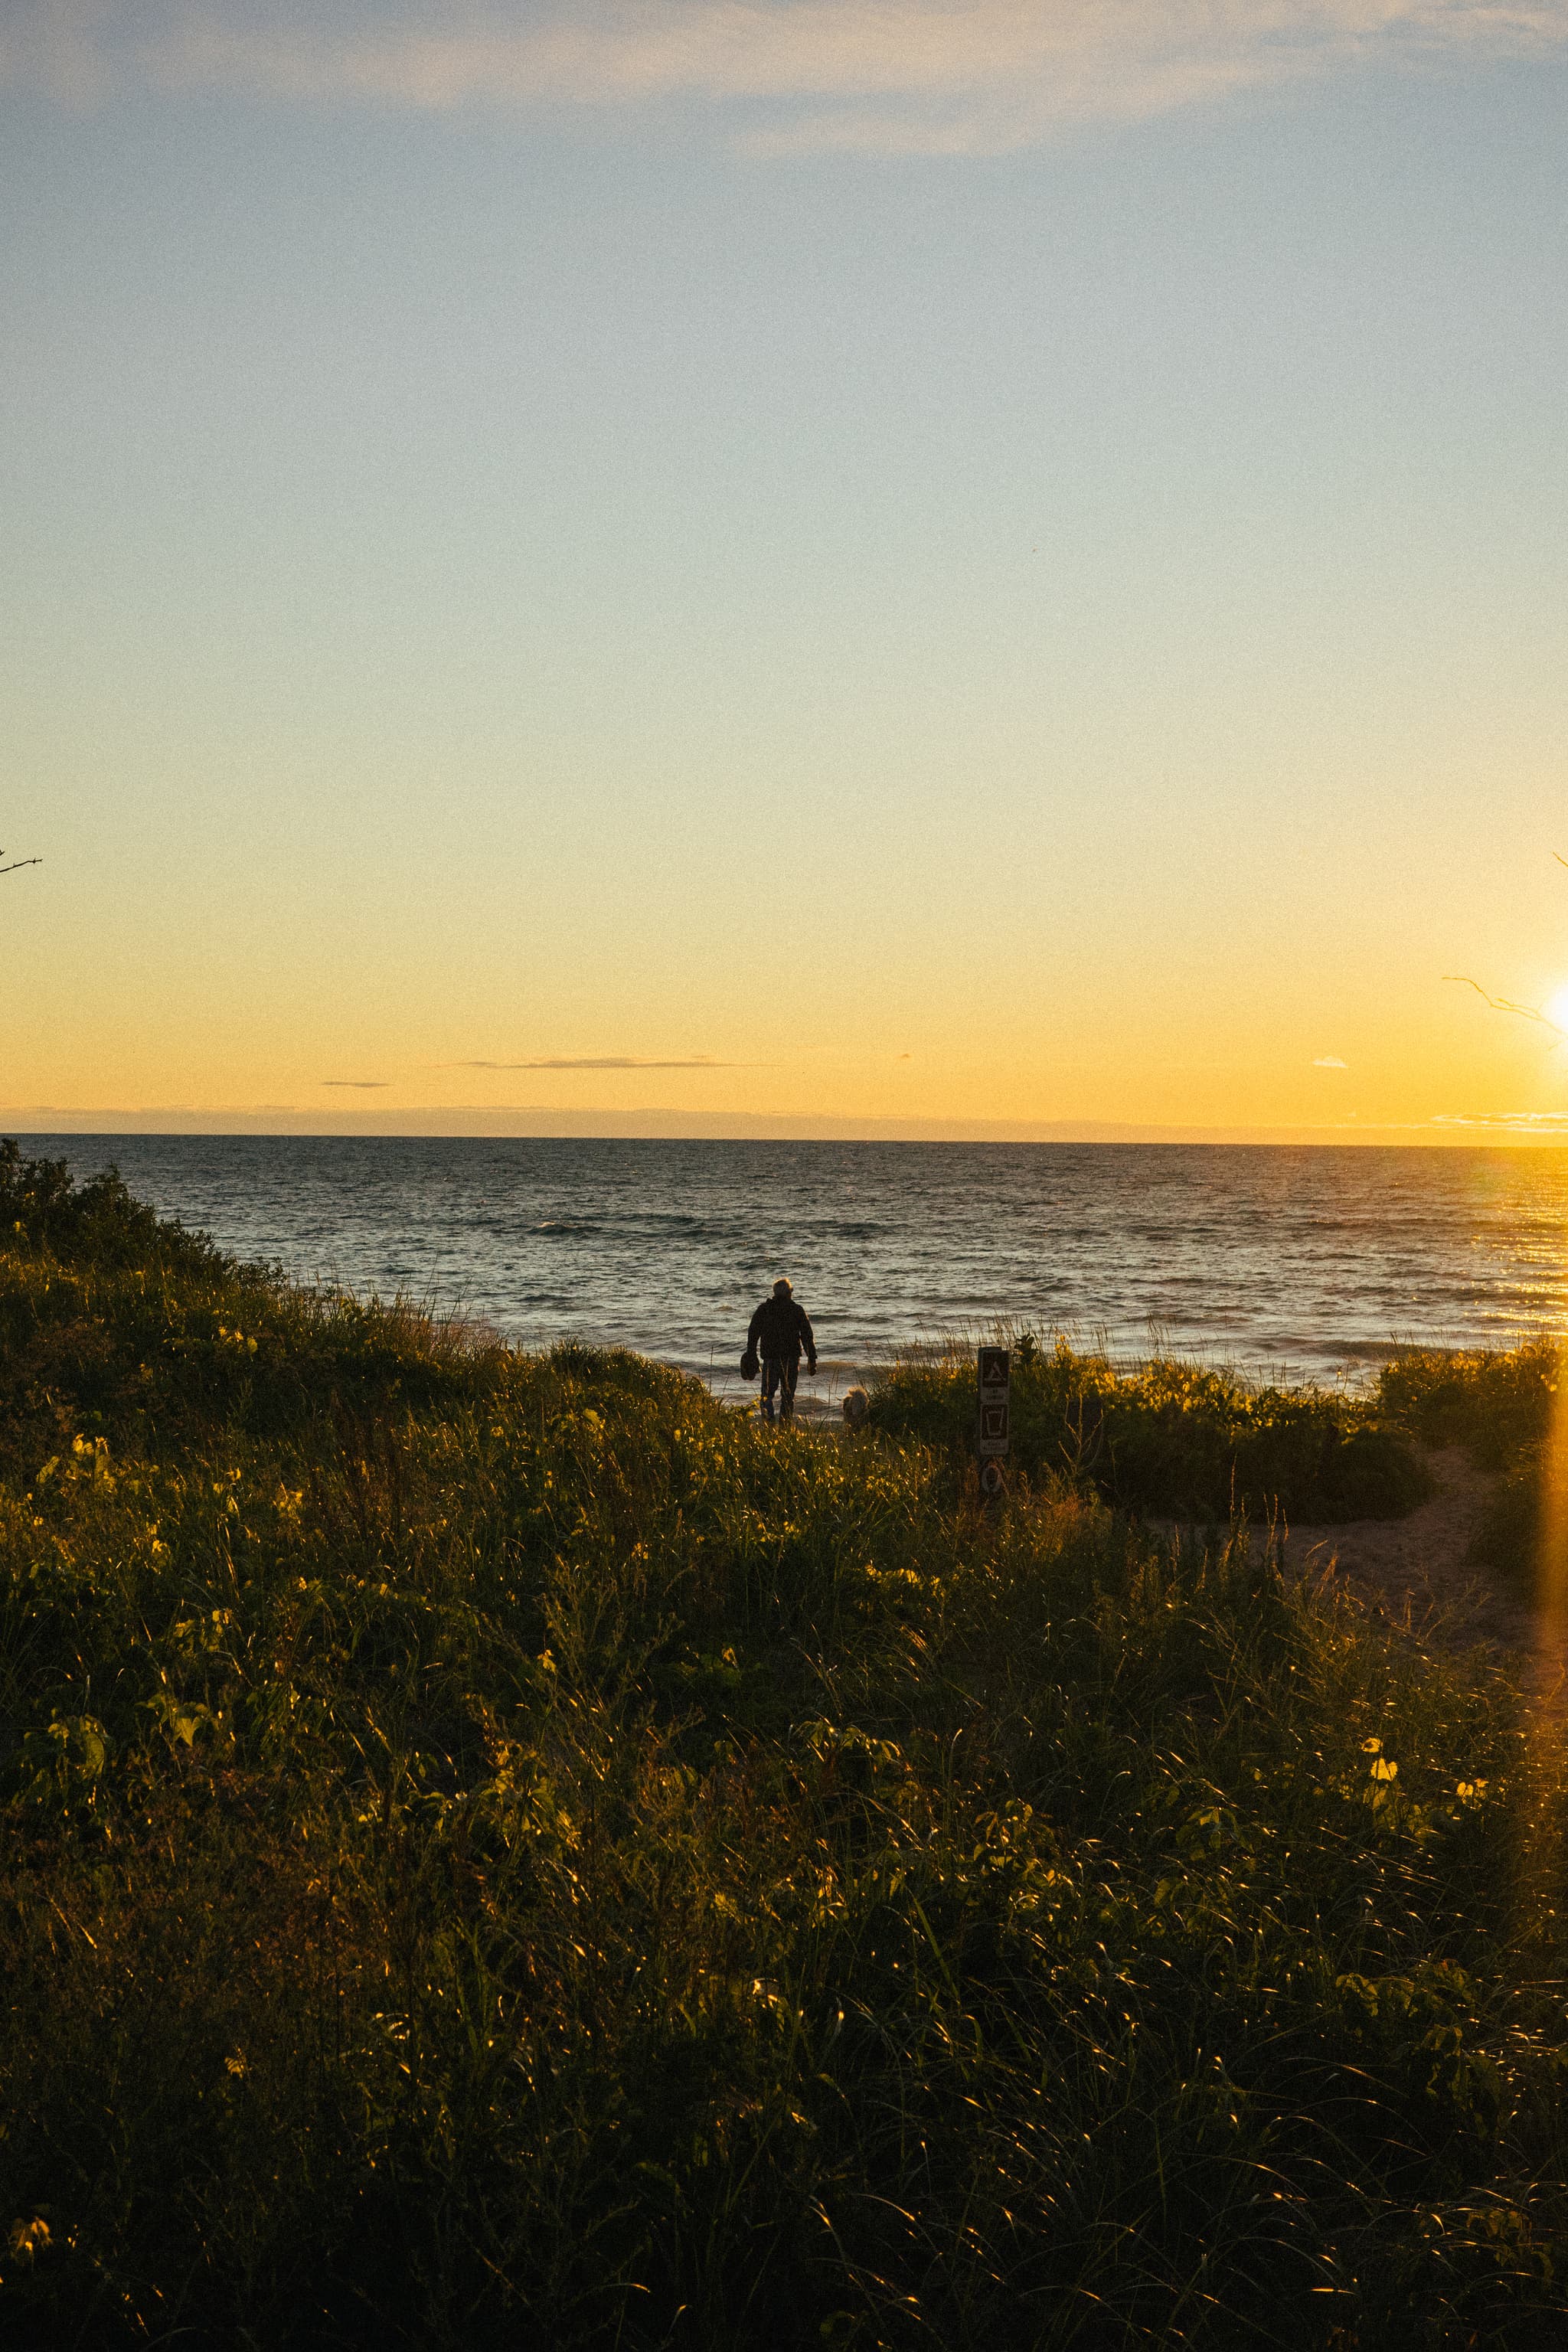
(993, 1428)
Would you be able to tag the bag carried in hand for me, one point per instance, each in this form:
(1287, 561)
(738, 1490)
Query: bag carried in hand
(749, 1365)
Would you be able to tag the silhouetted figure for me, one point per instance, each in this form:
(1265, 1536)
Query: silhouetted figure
(779, 1331)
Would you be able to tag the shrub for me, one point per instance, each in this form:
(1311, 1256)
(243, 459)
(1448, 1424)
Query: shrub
(1497, 1403)
(1170, 1438)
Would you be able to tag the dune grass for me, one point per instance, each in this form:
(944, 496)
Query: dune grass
(503, 1849)
(1170, 1438)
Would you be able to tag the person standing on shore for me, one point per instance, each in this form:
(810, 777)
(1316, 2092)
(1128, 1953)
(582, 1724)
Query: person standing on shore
(779, 1331)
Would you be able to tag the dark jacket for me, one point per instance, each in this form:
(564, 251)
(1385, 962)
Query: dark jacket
(780, 1328)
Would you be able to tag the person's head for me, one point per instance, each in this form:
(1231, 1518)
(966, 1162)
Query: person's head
(783, 1287)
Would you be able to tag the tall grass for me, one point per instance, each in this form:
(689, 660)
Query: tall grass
(1170, 1438)
(505, 1850)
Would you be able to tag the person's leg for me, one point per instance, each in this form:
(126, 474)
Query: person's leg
(789, 1372)
(771, 1369)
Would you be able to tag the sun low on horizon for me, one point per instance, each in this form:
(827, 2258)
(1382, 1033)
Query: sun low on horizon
(907, 570)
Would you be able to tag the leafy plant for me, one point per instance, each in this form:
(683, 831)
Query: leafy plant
(503, 1848)
(1170, 1438)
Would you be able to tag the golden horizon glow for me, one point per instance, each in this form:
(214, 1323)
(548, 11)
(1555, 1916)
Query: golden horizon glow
(587, 623)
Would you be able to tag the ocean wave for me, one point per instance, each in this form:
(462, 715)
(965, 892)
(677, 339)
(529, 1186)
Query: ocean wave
(1238, 1254)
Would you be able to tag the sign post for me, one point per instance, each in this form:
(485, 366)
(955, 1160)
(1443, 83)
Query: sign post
(992, 1426)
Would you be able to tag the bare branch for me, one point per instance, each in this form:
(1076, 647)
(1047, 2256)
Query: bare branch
(1506, 1004)
(19, 864)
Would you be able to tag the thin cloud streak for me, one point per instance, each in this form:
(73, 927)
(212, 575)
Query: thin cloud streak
(602, 1062)
(1508, 1122)
(879, 76)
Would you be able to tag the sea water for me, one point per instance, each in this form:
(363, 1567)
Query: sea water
(1305, 1262)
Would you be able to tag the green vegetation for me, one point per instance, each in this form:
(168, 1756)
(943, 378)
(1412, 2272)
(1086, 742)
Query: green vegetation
(1172, 1439)
(1498, 1406)
(505, 1850)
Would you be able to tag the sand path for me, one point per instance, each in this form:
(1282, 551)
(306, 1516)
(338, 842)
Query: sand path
(1418, 1568)
(1419, 1574)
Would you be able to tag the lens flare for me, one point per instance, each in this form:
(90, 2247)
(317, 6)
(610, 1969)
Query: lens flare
(1552, 1562)
(1540, 1822)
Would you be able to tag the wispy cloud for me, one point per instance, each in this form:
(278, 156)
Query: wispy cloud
(368, 1086)
(1329, 1062)
(885, 76)
(602, 1062)
(1505, 1122)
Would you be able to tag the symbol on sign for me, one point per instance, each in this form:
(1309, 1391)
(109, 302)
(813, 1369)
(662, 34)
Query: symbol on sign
(991, 1477)
(993, 1365)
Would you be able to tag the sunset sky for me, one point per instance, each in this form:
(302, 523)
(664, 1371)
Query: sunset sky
(696, 565)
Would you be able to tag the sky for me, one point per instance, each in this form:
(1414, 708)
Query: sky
(760, 566)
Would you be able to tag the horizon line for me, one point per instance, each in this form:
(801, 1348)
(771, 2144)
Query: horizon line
(1443, 1132)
